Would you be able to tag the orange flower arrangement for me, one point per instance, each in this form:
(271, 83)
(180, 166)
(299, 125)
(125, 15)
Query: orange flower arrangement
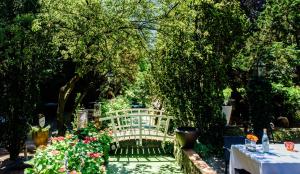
(252, 137)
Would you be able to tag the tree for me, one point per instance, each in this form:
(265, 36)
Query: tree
(97, 36)
(24, 65)
(194, 52)
(275, 43)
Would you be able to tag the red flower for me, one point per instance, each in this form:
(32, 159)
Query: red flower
(87, 140)
(62, 169)
(55, 152)
(73, 172)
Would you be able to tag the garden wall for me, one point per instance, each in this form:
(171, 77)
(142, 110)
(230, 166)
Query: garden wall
(191, 162)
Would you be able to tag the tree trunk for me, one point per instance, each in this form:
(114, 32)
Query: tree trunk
(63, 96)
(82, 95)
(79, 100)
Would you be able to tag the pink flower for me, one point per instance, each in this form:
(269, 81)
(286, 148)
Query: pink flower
(94, 154)
(55, 152)
(55, 139)
(62, 169)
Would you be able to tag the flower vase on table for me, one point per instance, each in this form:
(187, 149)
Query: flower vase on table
(250, 142)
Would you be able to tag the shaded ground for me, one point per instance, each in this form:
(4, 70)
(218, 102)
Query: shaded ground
(16, 167)
(218, 164)
(13, 167)
(143, 167)
(138, 160)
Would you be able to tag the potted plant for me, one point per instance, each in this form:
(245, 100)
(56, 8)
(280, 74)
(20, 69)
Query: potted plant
(40, 134)
(186, 136)
(227, 107)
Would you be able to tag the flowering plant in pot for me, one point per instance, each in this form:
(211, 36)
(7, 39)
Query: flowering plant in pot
(74, 155)
(250, 142)
(40, 135)
(186, 136)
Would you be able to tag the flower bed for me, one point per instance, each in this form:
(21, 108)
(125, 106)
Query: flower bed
(84, 151)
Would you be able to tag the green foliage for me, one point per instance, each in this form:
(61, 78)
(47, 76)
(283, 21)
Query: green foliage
(234, 131)
(168, 147)
(204, 150)
(139, 91)
(84, 151)
(275, 42)
(24, 66)
(227, 94)
(260, 104)
(282, 135)
(195, 46)
(40, 129)
(96, 36)
(118, 103)
(297, 117)
(288, 98)
(99, 38)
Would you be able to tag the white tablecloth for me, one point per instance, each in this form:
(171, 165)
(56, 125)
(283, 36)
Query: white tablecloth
(277, 161)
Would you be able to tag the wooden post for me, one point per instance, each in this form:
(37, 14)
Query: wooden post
(149, 128)
(25, 151)
(118, 119)
(115, 130)
(140, 129)
(166, 130)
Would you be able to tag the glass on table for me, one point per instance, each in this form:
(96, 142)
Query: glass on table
(250, 145)
(289, 145)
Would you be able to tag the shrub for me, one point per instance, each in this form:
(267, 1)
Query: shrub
(203, 150)
(117, 103)
(287, 101)
(227, 93)
(234, 131)
(260, 104)
(85, 151)
(282, 135)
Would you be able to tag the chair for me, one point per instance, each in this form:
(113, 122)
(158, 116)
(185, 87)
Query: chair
(228, 141)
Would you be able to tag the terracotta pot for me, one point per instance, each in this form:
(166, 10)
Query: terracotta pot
(40, 137)
(186, 136)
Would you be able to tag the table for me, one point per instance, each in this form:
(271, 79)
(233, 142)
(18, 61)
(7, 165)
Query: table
(277, 161)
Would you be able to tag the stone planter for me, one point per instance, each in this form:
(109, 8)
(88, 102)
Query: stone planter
(186, 136)
(226, 110)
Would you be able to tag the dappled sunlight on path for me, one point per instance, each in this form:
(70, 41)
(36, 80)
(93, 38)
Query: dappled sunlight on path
(142, 160)
(143, 167)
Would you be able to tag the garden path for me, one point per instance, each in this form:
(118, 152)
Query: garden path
(138, 160)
